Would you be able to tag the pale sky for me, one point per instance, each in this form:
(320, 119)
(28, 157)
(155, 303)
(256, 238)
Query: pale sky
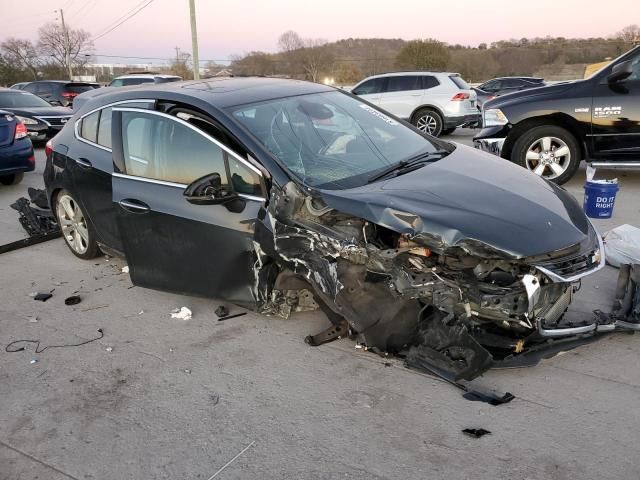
(236, 27)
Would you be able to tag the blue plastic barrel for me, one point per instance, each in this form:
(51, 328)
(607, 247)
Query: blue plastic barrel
(599, 199)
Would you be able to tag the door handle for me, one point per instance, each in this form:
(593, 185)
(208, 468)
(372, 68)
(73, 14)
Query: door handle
(134, 206)
(83, 162)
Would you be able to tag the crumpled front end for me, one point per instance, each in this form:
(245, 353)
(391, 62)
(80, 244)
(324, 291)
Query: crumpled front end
(456, 308)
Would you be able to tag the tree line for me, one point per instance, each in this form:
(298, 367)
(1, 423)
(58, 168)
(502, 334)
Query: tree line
(342, 62)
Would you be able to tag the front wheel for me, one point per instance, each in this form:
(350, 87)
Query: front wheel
(75, 227)
(14, 179)
(428, 121)
(549, 151)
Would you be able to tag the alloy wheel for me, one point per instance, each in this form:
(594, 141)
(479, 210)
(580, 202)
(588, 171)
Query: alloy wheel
(73, 224)
(427, 123)
(548, 157)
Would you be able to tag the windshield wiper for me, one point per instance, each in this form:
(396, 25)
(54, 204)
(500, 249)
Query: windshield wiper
(408, 165)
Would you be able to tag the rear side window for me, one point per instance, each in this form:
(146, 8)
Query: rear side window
(89, 127)
(77, 88)
(429, 82)
(30, 87)
(460, 83)
(45, 88)
(370, 86)
(104, 130)
(404, 83)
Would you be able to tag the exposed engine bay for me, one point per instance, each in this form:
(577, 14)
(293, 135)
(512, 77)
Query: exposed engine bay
(459, 308)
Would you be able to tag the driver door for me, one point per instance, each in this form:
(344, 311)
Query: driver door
(169, 242)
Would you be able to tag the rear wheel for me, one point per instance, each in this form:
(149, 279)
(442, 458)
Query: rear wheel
(549, 151)
(75, 227)
(428, 121)
(14, 179)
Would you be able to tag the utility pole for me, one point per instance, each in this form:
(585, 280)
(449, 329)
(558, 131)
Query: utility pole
(67, 46)
(194, 40)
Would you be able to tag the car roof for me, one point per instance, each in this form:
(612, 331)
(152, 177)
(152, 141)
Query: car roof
(221, 92)
(414, 73)
(63, 82)
(517, 77)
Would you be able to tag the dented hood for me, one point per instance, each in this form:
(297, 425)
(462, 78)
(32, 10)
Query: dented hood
(470, 197)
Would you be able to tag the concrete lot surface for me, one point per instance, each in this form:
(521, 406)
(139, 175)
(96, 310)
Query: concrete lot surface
(177, 399)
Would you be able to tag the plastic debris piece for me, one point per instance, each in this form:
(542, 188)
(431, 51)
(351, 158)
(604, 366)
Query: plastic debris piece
(475, 432)
(72, 300)
(42, 297)
(622, 245)
(109, 349)
(222, 311)
(125, 269)
(33, 294)
(33, 360)
(183, 314)
(228, 317)
(140, 312)
(187, 371)
(32, 318)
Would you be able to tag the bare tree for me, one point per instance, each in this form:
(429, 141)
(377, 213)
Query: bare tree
(316, 57)
(52, 43)
(629, 34)
(181, 65)
(21, 54)
(290, 41)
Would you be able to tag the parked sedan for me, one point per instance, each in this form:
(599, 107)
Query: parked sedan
(16, 151)
(41, 119)
(281, 195)
(503, 85)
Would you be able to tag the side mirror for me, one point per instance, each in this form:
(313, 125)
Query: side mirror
(208, 190)
(620, 71)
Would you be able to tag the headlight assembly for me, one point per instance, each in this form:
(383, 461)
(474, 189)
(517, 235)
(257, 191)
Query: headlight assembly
(27, 120)
(494, 117)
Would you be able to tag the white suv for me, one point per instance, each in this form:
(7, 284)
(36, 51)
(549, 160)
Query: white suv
(435, 102)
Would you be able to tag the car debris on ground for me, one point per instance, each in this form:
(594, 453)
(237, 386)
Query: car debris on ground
(181, 313)
(475, 432)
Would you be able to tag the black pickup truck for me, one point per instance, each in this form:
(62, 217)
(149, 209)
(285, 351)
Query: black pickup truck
(549, 130)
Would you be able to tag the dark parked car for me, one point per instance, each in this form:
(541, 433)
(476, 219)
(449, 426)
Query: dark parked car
(41, 118)
(550, 130)
(280, 195)
(16, 151)
(59, 92)
(503, 85)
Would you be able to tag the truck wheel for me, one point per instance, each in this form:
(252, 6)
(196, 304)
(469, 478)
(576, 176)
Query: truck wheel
(14, 179)
(76, 230)
(428, 121)
(549, 151)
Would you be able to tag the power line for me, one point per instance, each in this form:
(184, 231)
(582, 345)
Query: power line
(149, 2)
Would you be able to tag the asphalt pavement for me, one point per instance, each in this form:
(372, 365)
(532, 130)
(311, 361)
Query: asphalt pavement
(162, 398)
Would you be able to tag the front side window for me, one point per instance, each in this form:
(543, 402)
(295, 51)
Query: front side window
(331, 140)
(369, 87)
(161, 148)
(404, 83)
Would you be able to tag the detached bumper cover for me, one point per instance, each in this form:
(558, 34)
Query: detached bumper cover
(462, 120)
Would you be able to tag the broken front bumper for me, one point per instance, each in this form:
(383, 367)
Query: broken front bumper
(489, 145)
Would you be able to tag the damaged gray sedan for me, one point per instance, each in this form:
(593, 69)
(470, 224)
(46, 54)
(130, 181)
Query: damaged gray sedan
(283, 196)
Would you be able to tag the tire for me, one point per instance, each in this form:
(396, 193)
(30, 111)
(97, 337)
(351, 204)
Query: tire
(544, 141)
(77, 232)
(14, 179)
(448, 131)
(429, 121)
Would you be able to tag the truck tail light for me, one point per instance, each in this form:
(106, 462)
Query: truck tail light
(48, 148)
(21, 131)
(69, 94)
(458, 97)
